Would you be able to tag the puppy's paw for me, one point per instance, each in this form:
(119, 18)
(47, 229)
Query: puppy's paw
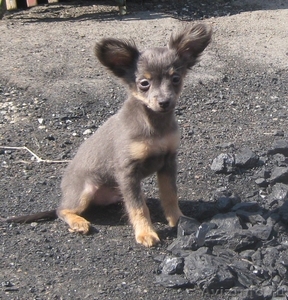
(79, 224)
(147, 238)
(173, 218)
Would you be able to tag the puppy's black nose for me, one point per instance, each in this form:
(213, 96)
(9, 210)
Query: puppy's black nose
(164, 104)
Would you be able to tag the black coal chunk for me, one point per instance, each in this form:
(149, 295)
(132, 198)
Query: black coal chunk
(246, 158)
(262, 182)
(243, 273)
(242, 240)
(241, 248)
(283, 212)
(187, 226)
(282, 265)
(180, 245)
(227, 162)
(247, 206)
(228, 222)
(279, 174)
(242, 268)
(173, 281)
(226, 226)
(279, 146)
(277, 197)
(223, 163)
(251, 217)
(279, 192)
(270, 256)
(172, 265)
(225, 199)
(262, 232)
(279, 160)
(209, 272)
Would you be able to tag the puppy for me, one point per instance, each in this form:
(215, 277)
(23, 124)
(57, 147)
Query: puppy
(142, 138)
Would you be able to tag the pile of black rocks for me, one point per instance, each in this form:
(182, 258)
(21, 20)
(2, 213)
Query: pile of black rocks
(243, 249)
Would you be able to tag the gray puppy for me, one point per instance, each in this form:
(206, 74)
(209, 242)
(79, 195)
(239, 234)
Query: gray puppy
(140, 139)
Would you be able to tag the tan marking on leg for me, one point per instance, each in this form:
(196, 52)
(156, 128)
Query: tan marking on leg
(75, 222)
(169, 200)
(71, 216)
(144, 232)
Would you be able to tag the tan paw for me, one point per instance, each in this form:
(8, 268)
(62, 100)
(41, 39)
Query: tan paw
(174, 217)
(79, 224)
(147, 238)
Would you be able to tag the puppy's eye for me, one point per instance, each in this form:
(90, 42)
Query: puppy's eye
(176, 79)
(144, 85)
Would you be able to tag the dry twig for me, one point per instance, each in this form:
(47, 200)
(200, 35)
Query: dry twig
(38, 159)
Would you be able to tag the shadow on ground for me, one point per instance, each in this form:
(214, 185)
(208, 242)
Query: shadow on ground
(185, 10)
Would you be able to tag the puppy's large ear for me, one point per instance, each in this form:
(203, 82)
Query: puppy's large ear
(117, 55)
(190, 42)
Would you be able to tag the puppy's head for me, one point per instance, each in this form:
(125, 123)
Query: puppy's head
(155, 76)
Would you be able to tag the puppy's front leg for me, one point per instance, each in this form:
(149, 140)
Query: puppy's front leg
(138, 211)
(168, 190)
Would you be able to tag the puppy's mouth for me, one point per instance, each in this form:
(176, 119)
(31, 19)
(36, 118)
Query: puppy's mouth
(166, 110)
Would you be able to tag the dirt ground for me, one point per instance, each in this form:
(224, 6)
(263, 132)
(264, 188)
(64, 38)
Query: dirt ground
(54, 94)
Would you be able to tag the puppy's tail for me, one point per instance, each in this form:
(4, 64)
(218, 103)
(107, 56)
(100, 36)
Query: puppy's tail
(39, 217)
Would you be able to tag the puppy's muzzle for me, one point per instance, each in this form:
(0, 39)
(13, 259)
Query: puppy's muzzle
(164, 104)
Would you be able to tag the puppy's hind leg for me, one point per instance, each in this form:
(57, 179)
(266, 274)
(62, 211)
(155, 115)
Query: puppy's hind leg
(70, 212)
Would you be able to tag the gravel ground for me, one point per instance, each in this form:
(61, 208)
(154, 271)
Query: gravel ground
(54, 94)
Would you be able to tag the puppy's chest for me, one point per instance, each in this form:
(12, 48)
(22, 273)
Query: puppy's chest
(154, 146)
(152, 164)
(151, 153)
